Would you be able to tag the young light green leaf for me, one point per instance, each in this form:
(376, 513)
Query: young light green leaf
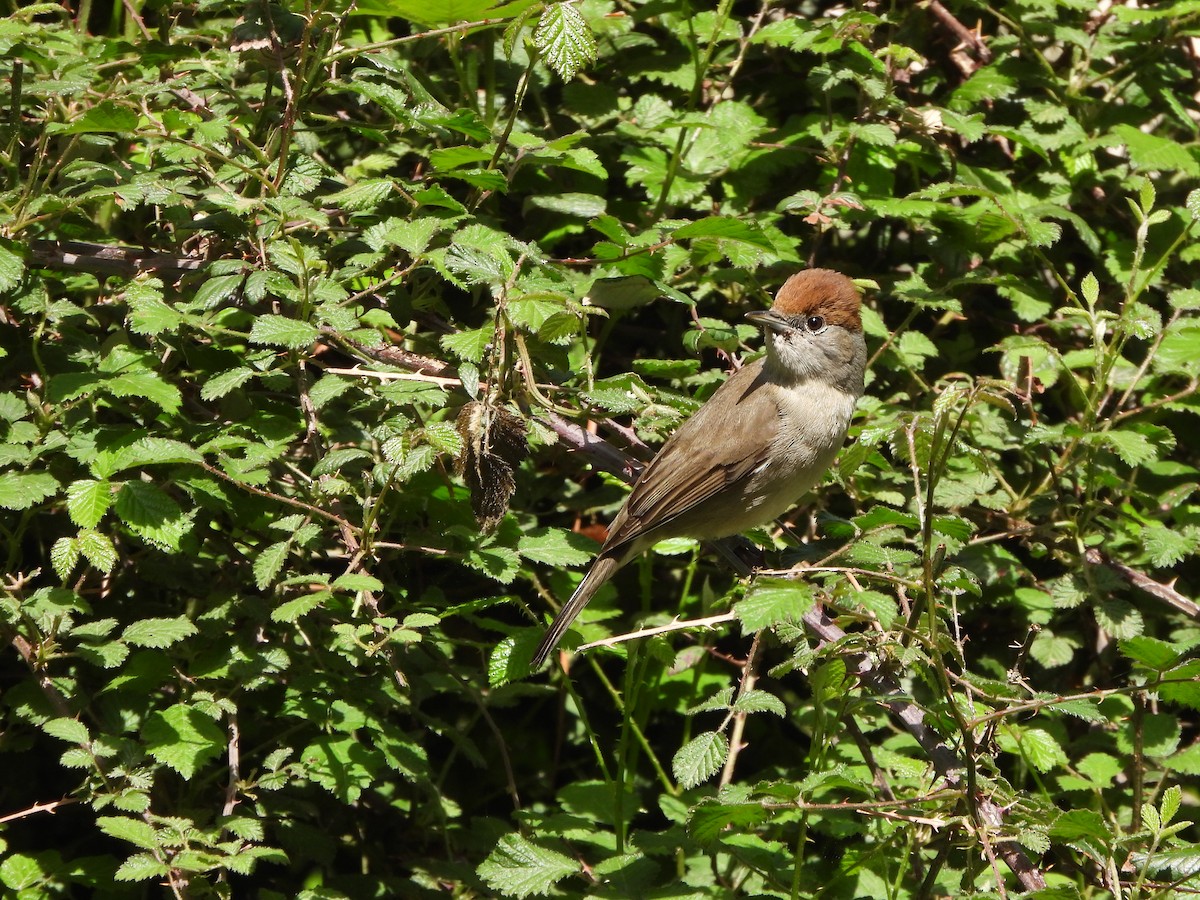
(700, 758)
(269, 562)
(98, 549)
(148, 312)
(517, 867)
(183, 738)
(292, 610)
(726, 228)
(771, 601)
(280, 331)
(141, 867)
(564, 39)
(1169, 805)
(556, 547)
(21, 491)
(65, 729)
(88, 501)
(64, 554)
(760, 701)
(1193, 203)
(135, 831)
(1090, 288)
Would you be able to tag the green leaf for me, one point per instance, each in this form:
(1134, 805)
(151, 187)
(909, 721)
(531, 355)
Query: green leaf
(158, 633)
(1081, 823)
(225, 382)
(773, 601)
(12, 268)
(148, 386)
(1171, 799)
(1193, 203)
(358, 581)
(517, 867)
(152, 514)
(217, 290)
(1152, 153)
(98, 549)
(20, 871)
(760, 701)
(88, 501)
(183, 738)
(141, 867)
(365, 195)
(1150, 652)
(334, 460)
(1090, 288)
(710, 819)
(135, 831)
(26, 490)
(1134, 448)
(556, 547)
(292, 610)
(1101, 768)
(1036, 745)
(280, 331)
(726, 228)
(104, 117)
(269, 562)
(71, 730)
(1052, 650)
(148, 312)
(63, 556)
(469, 345)
(145, 451)
(1119, 617)
(1165, 546)
(564, 39)
(700, 758)
(500, 563)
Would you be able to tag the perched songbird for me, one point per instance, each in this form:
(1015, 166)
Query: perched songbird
(764, 438)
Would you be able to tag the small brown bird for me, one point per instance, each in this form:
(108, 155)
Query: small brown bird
(764, 438)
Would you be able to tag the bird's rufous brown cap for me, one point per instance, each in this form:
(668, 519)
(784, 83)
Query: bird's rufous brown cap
(822, 292)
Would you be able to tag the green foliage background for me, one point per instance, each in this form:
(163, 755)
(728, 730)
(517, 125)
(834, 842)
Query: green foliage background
(255, 642)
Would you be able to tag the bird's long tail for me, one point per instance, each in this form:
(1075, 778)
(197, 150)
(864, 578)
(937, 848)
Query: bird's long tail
(603, 568)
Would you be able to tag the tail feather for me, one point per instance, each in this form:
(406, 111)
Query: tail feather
(603, 568)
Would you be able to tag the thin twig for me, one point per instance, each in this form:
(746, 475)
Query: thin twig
(749, 679)
(234, 754)
(676, 625)
(51, 807)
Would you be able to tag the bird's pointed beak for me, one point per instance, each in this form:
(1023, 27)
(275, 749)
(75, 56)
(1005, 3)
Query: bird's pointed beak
(769, 319)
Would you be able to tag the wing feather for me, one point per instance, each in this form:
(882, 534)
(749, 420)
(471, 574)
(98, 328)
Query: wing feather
(694, 464)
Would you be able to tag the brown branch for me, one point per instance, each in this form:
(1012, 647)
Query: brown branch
(1164, 592)
(280, 498)
(966, 36)
(108, 259)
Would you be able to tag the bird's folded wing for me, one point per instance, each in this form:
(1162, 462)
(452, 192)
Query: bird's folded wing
(725, 441)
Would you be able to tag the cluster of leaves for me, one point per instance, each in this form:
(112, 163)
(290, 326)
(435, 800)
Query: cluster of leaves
(255, 258)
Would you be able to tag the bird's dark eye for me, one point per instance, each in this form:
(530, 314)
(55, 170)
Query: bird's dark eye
(814, 323)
